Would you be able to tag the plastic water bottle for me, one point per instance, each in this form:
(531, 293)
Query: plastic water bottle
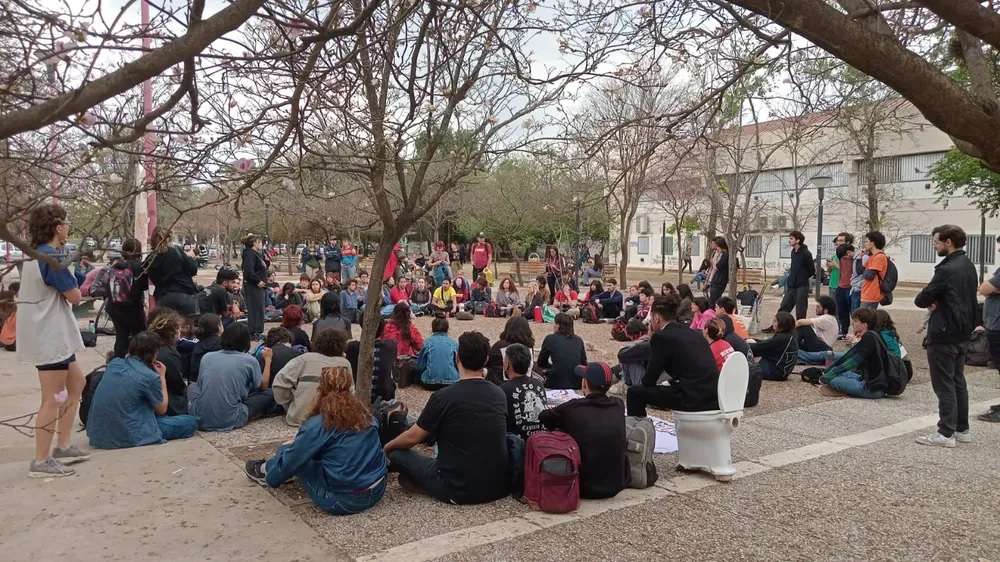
(92, 327)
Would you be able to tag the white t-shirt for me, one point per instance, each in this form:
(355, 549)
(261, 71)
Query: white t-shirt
(826, 328)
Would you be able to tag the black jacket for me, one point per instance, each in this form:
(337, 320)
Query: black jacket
(254, 268)
(597, 423)
(172, 272)
(721, 276)
(684, 354)
(802, 268)
(953, 291)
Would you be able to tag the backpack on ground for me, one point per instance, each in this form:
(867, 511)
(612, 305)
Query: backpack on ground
(977, 352)
(811, 375)
(753, 386)
(97, 283)
(887, 283)
(590, 314)
(479, 307)
(392, 416)
(640, 437)
(464, 315)
(747, 297)
(552, 472)
(896, 372)
(404, 371)
(89, 388)
(492, 310)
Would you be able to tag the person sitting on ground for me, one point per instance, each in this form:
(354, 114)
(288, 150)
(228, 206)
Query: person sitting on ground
(534, 298)
(232, 390)
(890, 337)
(725, 308)
(385, 305)
(481, 295)
(383, 385)
(218, 299)
(861, 371)
(516, 330)
(468, 421)
(401, 292)
(129, 407)
(445, 299)
(701, 313)
(292, 320)
(685, 313)
(295, 384)
(631, 301)
(525, 392)
(778, 355)
(420, 298)
(508, 298)
(667, 289)
(8, 314)
(435, 366)
(561, 352)
(288, 296)
(166, 324)
(330, 316)
(597, 423)
(313, 297)
(364, 280)
(611, 300)
(209, 330)
(349, 302)
(686, 358)
(331, 281)
(462, 290)
(739, 344)
(279, 340)
(715, 333)
(401, 330)
(567, 299)
(594, 290)
(817, 335)
(336, 454)
(593, 270)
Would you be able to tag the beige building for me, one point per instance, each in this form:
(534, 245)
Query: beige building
(796, 156)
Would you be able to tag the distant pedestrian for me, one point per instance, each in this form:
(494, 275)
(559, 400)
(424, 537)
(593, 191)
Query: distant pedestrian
(718, 271)
(802, 269)
(951, 299)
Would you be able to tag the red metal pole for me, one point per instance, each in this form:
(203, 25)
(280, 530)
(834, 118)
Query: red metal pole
(148, 141)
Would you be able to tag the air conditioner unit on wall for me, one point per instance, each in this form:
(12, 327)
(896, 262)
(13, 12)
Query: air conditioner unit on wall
(760, 223)
(780, 222)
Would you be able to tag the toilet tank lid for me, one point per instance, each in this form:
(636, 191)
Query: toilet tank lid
(733, 380)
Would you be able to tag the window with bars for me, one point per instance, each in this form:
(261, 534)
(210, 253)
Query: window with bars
(974, 244)
(922, 249)
(667, 245)
(828, 248)
(644, 245)
(754, 247)
(888, 169)
(784, 250)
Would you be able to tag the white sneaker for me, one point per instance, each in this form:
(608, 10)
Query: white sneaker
(936, 440)
(963, 436)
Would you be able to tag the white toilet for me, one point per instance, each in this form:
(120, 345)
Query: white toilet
(703, 437)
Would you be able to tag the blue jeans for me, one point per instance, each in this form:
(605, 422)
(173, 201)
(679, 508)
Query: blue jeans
(338, 503)
(813, 357)
(851, 384)
(855, 301)
(348, 272)
(177, 427)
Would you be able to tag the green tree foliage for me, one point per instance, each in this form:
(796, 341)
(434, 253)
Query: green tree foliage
(958, 174)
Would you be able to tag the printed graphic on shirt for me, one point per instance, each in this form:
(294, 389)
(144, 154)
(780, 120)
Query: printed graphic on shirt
(528, 402)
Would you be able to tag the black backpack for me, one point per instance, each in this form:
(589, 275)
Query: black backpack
(90, 387)
(887, 283)
(896, 372)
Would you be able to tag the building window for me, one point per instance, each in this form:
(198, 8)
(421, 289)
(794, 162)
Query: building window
(644, 245)
(973, 247)
(888, 169)
(754, 247)
(667, 245)
(828, 249)
(695, 242)
(784, 250)
(642, 224)
(922, 249)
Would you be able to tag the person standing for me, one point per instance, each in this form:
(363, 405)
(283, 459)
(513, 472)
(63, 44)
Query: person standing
(481, 255)
(45, 304)
(348, 262)
(332, 257)
(128, 316)
(951, 299)
(801, 270)
(842, 294)
(833, 263)
(875, 269)
(718, 278)
(254, 285)
(171, 271)
(991, 321)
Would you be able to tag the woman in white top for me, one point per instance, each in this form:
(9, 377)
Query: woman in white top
(45, 306)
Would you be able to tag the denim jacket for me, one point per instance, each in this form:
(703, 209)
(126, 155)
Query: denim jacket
(436, 362)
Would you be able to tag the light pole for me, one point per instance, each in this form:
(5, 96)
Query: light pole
(821, 183)
(579, 234)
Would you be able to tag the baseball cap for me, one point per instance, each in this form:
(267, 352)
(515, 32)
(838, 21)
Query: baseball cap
(597, 374)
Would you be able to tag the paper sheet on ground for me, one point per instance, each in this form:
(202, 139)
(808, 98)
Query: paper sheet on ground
(666, 435)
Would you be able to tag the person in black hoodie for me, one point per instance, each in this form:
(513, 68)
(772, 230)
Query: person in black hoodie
(779, 354)
(172, 273)
(128, 316)
(254, 284)
(720, 270)
(597, 423)
(280, 341)
(209, 328)
(165, 323)
(801, 270)
(951, 299)
(561, 352)
(686, 358)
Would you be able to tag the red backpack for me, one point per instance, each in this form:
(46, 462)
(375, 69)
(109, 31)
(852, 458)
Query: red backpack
(552, 472)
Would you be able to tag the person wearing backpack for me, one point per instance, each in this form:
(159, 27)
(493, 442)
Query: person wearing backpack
(951, 299)
(468, 421)
(125, 303)
(861, 371)
(597, 423)
(875, 270)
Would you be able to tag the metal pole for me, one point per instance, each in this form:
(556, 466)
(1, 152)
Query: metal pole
(579, 235)
(982, 247)
(819, 244)
(663, 248)
(147, 139)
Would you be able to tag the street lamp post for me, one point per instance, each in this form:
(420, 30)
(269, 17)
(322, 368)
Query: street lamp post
(579, 234)
(821, 183)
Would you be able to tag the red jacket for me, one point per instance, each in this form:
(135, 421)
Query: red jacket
(561, 297)
(410, 347)
(399, 294)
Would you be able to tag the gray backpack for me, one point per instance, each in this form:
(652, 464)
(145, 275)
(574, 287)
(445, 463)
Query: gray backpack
(640, 438)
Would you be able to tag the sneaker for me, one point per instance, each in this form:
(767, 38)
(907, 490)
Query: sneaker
(69, 455)
(993, 416)
(936, 440)
(49, 468)
(256, 470)
(843, 337)
(963, 436)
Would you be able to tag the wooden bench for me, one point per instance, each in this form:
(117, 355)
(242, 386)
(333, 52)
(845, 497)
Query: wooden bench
(753, 277)
(525, 271)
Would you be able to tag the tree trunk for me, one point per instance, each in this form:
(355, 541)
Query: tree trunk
(623, 233)
(680, 252)
(366, 352)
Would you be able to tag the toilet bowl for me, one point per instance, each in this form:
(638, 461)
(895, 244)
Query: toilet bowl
(703, 438)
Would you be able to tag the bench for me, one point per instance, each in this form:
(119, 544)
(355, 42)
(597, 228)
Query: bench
(525, 271)
(753, 277)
